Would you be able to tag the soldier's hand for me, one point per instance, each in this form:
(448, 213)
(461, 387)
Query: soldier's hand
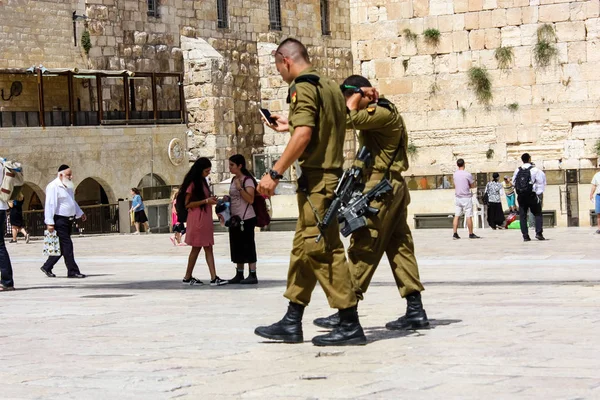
(282, 123)
(267, 185)
(370, 93)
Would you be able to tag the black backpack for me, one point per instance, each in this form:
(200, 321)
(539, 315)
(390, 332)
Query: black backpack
(180, 209)
(523, 183)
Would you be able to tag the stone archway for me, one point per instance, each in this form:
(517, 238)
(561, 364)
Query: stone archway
(151, 180)
(94, 191)
(34, 197)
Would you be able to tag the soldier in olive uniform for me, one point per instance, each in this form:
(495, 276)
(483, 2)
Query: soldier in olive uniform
(317, 122)
(383, 132)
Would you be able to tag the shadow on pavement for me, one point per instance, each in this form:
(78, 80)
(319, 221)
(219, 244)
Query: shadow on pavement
(377, 333)
(178, 285)
(500, 283)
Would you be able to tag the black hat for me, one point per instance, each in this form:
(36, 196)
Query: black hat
(63, 167)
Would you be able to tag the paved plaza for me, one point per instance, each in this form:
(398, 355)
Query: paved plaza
(509, 320)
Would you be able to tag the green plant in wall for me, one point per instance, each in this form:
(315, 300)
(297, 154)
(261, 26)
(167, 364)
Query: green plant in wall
(513, 107)
(597, 147)
(432, 36)
(405, 63)
(434, 89)
(504, 56)
(489, 154)
(412, 150)
(86, 42)
(409, 35)
(481, 84)
(463, 112)
(545, 51)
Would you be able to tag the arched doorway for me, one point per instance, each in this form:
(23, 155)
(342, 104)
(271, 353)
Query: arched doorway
(90, 193)
(151, 180)
(33, 197)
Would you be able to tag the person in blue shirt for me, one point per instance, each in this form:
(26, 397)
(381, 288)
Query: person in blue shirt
(137, 206)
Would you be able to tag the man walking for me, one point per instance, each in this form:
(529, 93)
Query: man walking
(59, 212)
(530, 183)
(383, 132)
(463, 201)
(317, 122)
(6, 272)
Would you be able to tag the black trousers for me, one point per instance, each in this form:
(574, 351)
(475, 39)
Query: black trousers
(526, 203)
(6, 271)
(62, 225)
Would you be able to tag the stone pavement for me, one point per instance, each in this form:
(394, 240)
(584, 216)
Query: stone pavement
(509, 320)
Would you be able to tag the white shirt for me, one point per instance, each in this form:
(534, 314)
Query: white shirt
(3, 205)
(538, 178)
(595, 182)
(60, 201)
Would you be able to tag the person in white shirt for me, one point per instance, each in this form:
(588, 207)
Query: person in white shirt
(530, 183)
(595, 195)
(59, 212)
(6, 272)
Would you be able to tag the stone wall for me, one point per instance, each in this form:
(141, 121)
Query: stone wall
(549, 112)
(116, 157)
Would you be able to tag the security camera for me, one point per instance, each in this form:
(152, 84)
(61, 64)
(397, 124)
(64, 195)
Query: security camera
(43, 69)
(30, 70)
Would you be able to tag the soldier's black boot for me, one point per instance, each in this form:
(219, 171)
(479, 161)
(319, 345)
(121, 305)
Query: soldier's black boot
(347, 333)
(328, 322)
(289, 329)
(415, 317)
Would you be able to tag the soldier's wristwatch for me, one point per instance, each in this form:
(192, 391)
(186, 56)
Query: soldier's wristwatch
(275, 175)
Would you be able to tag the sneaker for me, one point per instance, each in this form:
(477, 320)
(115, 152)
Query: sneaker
(12, 241)
(192, 281)
(455, 236)
(473, 236)
(148, 231)
(526, 239)
(27, 238)
(540, 237)
(218, 282)
(250, 280)
(135, 233)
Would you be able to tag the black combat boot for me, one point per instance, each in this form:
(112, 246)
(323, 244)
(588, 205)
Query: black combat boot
(347, 333)
(289, 329)
(328, 322)
(415, 317)
(239, 276)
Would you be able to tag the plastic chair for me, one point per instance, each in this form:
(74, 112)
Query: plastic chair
(478, 214)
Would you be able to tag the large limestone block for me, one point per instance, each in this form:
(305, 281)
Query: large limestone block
(499, 17)
(492, 38)
(554, 132)
(420, 65)
(460, 41)
(420, 8)
(592, 26)
(446, 64)
(477, 39)
(464, 60)
(471, 21)
(530, 15)
(570, 31)
(554, 12)
(510, 36)
(577, 11)
(383, 68)
(461, 6)
(574, 149)
(446, 23)
(593, 50)
(529, 34)
(576, 52)
(475, 5)
(514, 16)
(592, 9)
(396, 86)
(522, 56)
(441, 7)
(490, 4)
(485, 20)
(459, 22)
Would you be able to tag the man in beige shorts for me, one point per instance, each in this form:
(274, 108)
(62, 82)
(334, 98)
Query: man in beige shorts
(463, 182)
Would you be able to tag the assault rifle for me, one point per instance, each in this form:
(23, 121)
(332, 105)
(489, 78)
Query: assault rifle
(349, 186)
(353, 216)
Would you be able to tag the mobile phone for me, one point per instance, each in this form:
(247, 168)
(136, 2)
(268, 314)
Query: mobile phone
(267, 116)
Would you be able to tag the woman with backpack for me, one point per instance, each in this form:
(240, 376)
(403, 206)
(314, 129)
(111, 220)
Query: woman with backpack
(242, 194)
(194, 194)
(493, 189)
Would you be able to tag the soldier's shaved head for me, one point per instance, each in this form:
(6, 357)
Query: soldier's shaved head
(294, 50)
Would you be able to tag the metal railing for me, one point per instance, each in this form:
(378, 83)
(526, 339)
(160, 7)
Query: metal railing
(102, 218)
